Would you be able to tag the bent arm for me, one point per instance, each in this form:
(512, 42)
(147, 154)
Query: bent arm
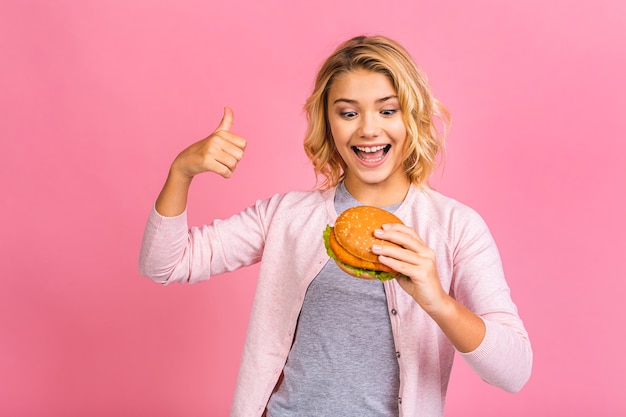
(173, 252)
(504, 357)
(163, 247)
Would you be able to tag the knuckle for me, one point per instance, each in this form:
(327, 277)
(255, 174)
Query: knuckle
(231, 162)
(225, 172)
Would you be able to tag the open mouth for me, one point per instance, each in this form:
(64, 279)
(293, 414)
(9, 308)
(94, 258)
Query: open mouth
(371, 153)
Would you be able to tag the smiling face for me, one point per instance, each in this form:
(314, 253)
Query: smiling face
(369, 133)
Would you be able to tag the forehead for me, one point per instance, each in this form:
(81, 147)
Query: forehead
(361, 85)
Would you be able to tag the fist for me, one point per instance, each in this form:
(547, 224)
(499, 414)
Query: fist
(220, 152)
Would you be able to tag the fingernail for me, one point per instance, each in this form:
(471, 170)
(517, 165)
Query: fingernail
(378, 232)
(376, 248)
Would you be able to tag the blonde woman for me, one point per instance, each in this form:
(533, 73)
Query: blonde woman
(321, 342)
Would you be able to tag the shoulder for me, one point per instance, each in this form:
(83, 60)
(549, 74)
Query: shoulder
(296, 218)
(294, 204)
(441, 208)
(296, 199)
(453, 219)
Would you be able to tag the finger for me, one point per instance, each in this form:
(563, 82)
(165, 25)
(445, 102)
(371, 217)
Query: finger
(234, 147)
(400, 235)
(223, 156)
(233, 139)
(392, 255)
(223, 164)
(396, 264)
(227, 120)
(402, 228)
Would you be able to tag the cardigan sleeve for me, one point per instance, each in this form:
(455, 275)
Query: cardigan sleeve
(173, 252)
(504, 358)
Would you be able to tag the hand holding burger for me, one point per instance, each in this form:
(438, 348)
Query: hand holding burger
(350, 244)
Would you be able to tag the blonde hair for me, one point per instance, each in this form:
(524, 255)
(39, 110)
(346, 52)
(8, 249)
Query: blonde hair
(419, 107)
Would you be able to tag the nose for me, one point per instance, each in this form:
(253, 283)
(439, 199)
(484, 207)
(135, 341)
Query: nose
(368, 127)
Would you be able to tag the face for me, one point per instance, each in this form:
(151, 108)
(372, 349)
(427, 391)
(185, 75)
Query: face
(369, 133)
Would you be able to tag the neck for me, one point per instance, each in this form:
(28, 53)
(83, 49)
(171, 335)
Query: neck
(378, 195)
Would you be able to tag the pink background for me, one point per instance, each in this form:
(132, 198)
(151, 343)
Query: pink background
(97, 97)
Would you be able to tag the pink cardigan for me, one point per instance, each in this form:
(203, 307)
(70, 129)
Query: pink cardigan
(284, 233)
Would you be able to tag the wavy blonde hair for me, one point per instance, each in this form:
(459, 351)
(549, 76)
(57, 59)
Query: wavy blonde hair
(420, 109)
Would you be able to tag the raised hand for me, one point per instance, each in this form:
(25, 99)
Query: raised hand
(220, 152)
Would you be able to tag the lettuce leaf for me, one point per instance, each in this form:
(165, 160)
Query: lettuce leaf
(380, 275)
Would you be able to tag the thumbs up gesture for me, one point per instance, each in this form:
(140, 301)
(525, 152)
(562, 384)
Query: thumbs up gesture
(219, 152)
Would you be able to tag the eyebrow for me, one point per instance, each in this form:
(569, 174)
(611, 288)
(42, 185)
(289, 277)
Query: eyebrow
(350, 101)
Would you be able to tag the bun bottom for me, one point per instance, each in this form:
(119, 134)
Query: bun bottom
(350, 271)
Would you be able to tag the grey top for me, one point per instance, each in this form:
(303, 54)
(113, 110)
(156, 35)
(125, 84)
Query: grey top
(343, 360)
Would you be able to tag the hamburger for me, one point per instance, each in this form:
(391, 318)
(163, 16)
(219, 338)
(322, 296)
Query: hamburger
(349, 242)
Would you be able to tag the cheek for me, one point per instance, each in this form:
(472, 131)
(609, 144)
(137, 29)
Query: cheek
(399, 132)
(339, 132)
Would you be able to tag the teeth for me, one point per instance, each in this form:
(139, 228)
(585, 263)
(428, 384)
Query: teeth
(370, 149)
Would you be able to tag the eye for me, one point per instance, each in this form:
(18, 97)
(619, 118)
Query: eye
(348, 114)
(388, 112)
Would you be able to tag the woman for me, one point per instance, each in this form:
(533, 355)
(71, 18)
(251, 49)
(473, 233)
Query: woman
(321, 342)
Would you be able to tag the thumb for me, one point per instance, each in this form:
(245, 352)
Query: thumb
(227, 120)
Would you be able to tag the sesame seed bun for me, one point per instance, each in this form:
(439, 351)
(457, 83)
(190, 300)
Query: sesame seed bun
(350, 242)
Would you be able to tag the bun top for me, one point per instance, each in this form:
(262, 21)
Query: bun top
(354, 230)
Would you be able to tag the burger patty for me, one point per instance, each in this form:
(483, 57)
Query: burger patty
(346, 257)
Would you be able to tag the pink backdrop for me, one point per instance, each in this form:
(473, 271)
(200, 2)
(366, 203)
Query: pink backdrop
(97, 97)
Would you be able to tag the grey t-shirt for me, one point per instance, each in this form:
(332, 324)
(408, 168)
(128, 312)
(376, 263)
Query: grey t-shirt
(343, 360)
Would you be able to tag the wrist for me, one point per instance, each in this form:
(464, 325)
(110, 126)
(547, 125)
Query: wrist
(172, 200)
(443, 309)
(463, 328)
(178, 176)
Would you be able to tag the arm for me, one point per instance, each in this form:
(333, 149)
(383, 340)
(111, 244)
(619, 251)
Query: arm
(478, 316)
(171, 252)
(219, 153)
(417, 262)
(505, 357)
